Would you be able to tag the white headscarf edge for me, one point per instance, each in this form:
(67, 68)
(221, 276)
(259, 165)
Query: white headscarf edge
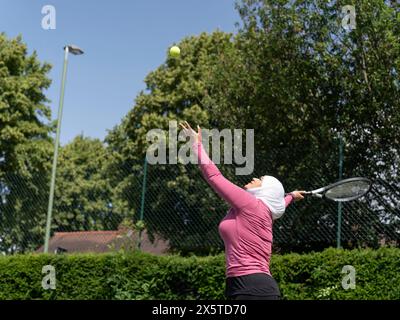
(272, 194)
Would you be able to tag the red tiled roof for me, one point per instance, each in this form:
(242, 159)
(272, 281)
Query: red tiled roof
(103, 241)
(87, 232)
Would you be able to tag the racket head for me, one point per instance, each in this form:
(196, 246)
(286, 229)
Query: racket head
(348, 189)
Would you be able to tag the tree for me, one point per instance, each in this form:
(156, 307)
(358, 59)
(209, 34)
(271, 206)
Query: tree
(25, 146)
(299, 79)
(178, 204)
(84, 197)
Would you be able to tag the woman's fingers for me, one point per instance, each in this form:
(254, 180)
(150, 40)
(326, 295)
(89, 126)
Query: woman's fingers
(187, 128)
(183, 126)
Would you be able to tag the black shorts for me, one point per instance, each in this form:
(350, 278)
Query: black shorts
(255, 286)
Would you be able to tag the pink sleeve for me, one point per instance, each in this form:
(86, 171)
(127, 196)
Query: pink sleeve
(288, 199)
(231, 193)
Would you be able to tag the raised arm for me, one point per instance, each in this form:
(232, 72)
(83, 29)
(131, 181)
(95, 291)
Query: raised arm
(231, 193)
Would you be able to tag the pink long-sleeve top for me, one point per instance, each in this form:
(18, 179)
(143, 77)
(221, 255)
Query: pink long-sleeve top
(247, 227)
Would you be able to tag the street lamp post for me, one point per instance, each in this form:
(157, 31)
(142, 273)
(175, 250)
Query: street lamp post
(75, 51)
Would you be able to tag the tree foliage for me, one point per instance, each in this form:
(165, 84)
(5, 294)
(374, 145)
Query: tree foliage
(177, 202)
(299, 79)
(84, 198)
(25, 145)
(291, 72)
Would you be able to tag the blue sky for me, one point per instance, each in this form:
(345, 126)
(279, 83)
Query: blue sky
(123, 41)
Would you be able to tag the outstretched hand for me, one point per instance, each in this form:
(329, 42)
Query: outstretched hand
(187, 129)
(298, 195)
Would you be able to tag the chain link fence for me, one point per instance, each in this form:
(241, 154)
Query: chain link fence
(179, 210)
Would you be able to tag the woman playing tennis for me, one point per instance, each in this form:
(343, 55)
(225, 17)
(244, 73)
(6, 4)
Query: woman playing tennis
(247, 228)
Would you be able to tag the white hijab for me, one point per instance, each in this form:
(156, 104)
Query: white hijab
(272, 194)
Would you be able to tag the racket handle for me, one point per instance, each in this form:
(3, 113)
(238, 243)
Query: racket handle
(308, 193)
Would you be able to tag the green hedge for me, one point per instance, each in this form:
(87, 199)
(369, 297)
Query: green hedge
(143, 276)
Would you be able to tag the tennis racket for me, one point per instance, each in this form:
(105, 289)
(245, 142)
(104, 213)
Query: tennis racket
(343, 190)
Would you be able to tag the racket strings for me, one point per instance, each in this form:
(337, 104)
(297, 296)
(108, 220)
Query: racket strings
(349, 190)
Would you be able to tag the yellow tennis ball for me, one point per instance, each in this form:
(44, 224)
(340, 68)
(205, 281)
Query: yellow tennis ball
(174, 51)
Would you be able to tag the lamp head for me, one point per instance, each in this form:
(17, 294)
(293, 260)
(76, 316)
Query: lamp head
(75, 50)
